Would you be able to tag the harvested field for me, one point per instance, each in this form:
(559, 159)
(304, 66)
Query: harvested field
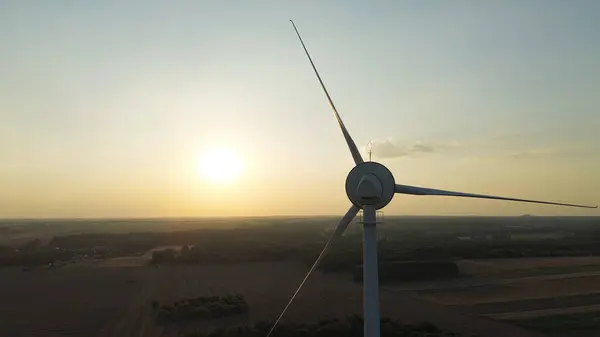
(482, 267)
(522, 290)
(63, 302)
(107, 302)
(560, 302)
(530, 288)
(133, 261)
(523, 315)
(571, 324)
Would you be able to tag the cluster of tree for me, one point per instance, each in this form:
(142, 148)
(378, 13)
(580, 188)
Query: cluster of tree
(572, 246)
(201, 308)
(404, 239)
(27, 259)
(269, 242)
(32, 253)
(162, 256)
(402, 271)
(222, 251)
(351, 325)
(111, 245)
(394, 253)
(35, 253)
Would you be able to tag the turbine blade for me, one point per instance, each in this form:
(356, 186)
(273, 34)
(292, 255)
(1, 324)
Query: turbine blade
(405, 189)
(353, 149)
(341, 227)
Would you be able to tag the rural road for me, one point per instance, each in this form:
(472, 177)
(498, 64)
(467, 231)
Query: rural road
(136, 320)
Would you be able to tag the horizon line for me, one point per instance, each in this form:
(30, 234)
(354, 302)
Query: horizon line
(282, 216)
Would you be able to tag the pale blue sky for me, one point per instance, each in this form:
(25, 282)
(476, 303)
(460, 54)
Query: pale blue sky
(106, 106)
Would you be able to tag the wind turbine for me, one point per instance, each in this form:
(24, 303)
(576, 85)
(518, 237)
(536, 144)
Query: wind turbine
(371, 186)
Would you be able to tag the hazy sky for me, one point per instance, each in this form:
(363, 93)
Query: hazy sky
(107, 106)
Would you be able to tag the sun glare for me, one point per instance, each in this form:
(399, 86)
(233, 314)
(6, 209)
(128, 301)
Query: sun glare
(220, 165)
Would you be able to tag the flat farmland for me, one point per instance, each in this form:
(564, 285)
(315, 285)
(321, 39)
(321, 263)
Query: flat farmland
(516, 267)
(116, 301)
(528, 292)
(64, 302)
(540, 287)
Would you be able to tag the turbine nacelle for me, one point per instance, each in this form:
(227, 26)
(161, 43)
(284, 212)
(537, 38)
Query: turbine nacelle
(370, 183)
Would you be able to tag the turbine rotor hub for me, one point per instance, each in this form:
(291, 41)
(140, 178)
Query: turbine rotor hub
(370, 183)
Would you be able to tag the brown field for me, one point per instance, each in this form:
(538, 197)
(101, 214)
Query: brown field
(545, 312)
(115, 301)
(517, 307)
(538, 287)
(495, 267)
(520, 289)
(505, 280)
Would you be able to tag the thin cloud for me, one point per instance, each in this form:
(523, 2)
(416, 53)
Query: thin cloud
(533, 153)
(544, 153)
(387, 148)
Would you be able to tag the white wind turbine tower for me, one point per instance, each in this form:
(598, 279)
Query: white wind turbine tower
(370, 186)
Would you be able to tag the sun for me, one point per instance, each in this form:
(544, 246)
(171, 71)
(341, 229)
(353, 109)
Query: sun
(220, 165)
